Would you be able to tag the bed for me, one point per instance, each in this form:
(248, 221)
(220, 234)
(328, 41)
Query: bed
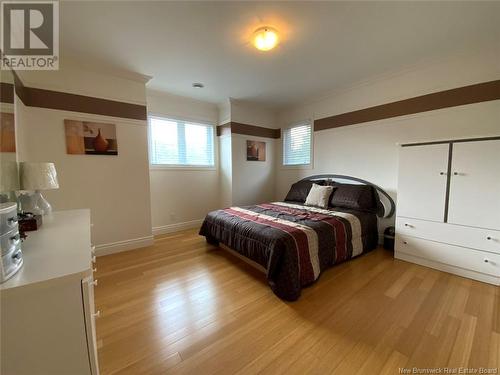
(295, 242)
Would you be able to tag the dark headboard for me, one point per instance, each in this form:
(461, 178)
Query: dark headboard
(386, 206)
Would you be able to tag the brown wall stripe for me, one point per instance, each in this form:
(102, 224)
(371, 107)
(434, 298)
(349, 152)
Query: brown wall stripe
(480, 92)
(256, 131)
(6, 92)
(78, 103)
(42, 98)
(20, 89)
(224, 129)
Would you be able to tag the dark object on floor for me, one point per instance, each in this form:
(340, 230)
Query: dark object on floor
(389, 233)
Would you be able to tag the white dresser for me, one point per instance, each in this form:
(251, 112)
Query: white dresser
(47, 308)
(448, 207)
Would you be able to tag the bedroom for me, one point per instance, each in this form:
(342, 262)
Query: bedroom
(293, 136)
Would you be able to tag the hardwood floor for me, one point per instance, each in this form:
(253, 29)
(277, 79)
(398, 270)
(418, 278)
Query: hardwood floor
(185, 307)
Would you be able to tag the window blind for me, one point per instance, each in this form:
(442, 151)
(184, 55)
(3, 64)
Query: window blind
(297, 145)
(181, 143)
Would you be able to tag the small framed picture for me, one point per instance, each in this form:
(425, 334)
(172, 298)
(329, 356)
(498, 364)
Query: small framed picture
(90, 138)
(256, 151)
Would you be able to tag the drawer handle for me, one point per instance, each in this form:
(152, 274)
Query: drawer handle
(486, 260)
(94, 283)
(405, 242)
(17, 256)
(12, 220)
(97, 314)
(408, 225)
(489, 238)
(443, 173)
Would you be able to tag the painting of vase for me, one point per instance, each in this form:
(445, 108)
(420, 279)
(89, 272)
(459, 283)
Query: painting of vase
(256, 151)
(90, 138)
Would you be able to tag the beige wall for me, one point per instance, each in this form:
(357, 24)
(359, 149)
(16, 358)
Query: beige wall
(370, 150)
(224, 110)
(247, 182)
(252, 114)
(252, 181)
(115, 188)
(77, 79)
(226, 170)
(180, 198)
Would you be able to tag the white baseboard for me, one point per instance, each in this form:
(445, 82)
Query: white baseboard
(170, 228)
(116, 247)
(135, 243)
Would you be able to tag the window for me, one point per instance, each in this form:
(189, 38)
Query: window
(297, 144)
(180, 143)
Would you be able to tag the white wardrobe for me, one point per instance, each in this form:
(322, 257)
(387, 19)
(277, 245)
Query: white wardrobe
(448, 207)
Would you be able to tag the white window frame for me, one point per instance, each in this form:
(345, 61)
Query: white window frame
(181, 166)
(298, 166)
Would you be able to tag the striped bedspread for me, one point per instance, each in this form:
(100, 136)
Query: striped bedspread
(295, 243)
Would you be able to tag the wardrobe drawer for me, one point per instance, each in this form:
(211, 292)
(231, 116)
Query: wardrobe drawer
(475, 238)
(469, 259)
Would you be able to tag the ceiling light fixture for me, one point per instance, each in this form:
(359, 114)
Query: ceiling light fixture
(265, 38)
(198, 85)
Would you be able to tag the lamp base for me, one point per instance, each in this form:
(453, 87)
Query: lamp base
(35, 203)
(43, 204)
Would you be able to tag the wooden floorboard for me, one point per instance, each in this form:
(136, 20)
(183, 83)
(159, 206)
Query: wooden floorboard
(182, 306)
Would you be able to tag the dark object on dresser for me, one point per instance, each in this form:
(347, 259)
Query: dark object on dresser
(29, 222)
(389, 233)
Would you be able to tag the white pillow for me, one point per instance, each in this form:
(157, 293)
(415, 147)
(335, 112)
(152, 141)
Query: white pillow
(319, 196)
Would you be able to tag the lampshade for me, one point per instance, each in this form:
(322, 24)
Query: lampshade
(38, 176)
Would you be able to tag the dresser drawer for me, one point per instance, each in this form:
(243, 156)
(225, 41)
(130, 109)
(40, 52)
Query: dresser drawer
(8, 217)
(9, 241)
(475, 238)
(468, 259)
(10, 263)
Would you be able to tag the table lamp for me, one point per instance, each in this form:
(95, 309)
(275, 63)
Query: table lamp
(36, 177)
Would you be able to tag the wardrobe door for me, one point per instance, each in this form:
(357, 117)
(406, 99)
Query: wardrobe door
(422, 181)
(475, 184)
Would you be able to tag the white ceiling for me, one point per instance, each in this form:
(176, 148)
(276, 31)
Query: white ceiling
(326, 44)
